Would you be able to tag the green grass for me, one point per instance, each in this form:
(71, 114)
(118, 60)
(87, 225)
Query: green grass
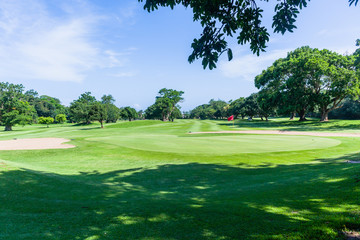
(151, 180)
(294, 125)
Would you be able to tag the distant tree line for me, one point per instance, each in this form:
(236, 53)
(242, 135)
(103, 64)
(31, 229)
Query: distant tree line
(240, 108)
(250, 107)
(307, 82)
(18, 107)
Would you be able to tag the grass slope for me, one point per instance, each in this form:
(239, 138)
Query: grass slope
(150, 180)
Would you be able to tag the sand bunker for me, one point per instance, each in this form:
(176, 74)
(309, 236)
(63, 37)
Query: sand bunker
(34, 144)
(318, 134)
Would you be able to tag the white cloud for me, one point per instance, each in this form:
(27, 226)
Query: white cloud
(114, 60)
(123, 74)
(118, 59)
(324, 33)
(38, 44)
(248, 66)
(137, 106)
(126, 15)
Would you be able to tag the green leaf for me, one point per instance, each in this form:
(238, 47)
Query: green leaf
(230, 54)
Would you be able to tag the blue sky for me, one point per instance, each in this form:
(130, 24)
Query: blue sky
(63, 48)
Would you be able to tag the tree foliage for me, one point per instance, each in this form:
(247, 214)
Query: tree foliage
(46, 120)
(237, 108)
(251, 106)
(266, 103)
(223, 19)
(357, 55)
(98, 112)
(350, 110)
(308, 79)
(14, 109)
(215, 109)
(153, 112)
(60, 118)
(128, 113)
(175, 114)
(167, 101)
(113, 112)
(80, 109)
(47, 106)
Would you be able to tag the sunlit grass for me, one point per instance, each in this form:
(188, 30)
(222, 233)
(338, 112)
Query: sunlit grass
(150, 188)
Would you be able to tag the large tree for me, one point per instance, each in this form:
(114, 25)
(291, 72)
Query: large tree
(339, 81)
(220, 108)
(266, 100)
(47, 106)
(237, 107)
(292, 79)
(251, 106)
(113, 112)
(153, 112)
(223, 19)
(98, 112)
(308, 78)
(167, 100)
(80, 109)
(128, 113)
(175, 114)
(14, 109)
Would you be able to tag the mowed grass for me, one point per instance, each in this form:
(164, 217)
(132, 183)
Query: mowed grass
(217, 145)
(152, 180)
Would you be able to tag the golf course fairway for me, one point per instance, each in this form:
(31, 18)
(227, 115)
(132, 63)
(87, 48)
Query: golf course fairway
(219, 145)
(152, 180)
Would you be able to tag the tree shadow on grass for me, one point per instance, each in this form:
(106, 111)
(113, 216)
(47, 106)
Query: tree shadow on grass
(185, 201)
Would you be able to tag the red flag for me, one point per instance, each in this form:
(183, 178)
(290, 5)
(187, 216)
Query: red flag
(231, 118)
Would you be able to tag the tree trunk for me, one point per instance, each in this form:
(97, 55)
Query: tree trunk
(8, 128)
(129, 119)
(324, 116)
(266, 118)
(292, 116)
(101, 123)
(302, 116)
(262, 119)
(164, 118)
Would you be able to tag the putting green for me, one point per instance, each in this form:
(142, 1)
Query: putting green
(230, 144)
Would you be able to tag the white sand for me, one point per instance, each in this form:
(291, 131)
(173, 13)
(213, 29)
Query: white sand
(35, 143)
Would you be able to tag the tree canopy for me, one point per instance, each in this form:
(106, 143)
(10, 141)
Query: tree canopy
(215, 109)
(307, 79)
(98, 112)
(128, 113)
(223, 19)
(237, 107)
(14, 109)
(167, 101)
(46, 120)
(80, 109)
